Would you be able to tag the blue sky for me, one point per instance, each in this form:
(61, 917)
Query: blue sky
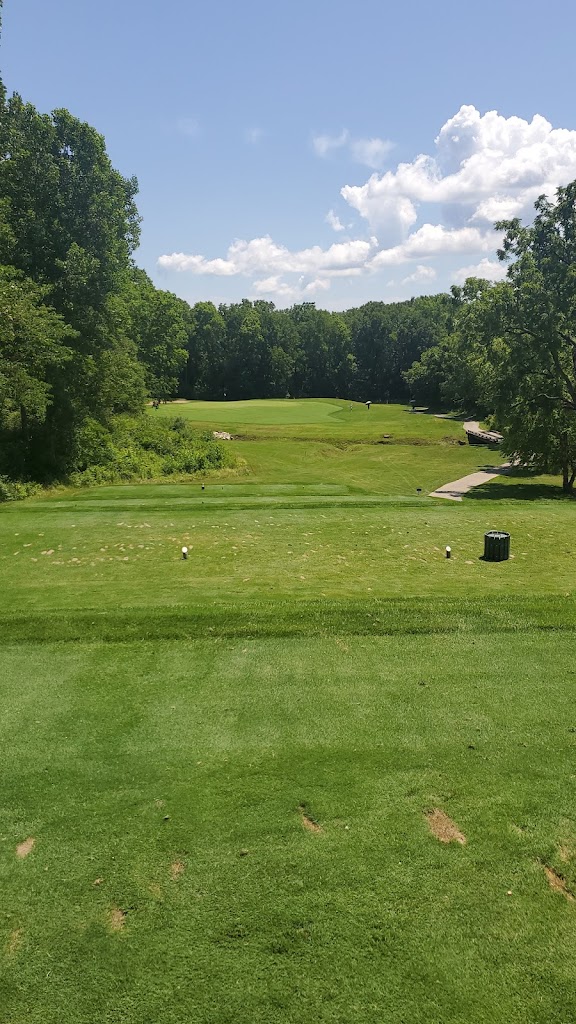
(312, 151)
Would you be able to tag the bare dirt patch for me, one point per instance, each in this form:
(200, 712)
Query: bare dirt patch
(14, 942)
(557, 883)
(443, 828)
(117, 919)
(308, 822)
(176, 870)
(23, 849)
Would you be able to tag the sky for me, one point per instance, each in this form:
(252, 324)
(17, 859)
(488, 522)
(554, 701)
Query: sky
(317, 150)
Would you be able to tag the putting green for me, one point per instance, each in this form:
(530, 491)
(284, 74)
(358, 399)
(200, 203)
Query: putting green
(270, 411)
(315, 419)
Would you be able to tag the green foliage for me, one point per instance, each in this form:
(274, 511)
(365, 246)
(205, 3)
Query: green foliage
(536, 362)
(518, 339)
(15, 490)
(252, 350)
(143, 448)
(159, 325)
(32, 345)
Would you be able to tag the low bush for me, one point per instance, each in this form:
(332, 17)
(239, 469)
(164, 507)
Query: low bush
(142, 448)
(15, 490)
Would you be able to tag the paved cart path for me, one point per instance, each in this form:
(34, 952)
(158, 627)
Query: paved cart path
(456, 488)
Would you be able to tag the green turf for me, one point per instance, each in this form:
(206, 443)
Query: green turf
(313, 418)
(166, 724)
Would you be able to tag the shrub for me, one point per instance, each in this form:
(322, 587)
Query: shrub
(15, 490)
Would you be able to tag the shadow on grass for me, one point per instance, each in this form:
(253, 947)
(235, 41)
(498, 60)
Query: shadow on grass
(518, 491)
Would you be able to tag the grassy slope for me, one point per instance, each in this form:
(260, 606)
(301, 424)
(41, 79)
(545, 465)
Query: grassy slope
(165, 718)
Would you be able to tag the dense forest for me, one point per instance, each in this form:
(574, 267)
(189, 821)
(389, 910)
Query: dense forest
(252, 350)
(86, 339)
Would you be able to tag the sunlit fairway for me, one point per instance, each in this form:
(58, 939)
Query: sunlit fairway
(228, 764)
(313, 418)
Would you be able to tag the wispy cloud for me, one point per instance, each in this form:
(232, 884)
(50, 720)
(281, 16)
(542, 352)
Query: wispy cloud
(253, 135)
(422, 273)
(370, 152)
(334, 221)
(188, 126)
(325, 144)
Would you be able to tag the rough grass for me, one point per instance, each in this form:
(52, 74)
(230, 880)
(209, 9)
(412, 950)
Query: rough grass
(168, 728)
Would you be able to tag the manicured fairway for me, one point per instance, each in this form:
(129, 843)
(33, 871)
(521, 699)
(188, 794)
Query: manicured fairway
(313, 418)
(216, 773)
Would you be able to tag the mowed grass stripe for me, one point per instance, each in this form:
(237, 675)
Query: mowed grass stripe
(296, 618)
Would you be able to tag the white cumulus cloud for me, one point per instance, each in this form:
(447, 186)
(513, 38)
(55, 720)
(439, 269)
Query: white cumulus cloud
(434, 211)
(484, 167)
(435, 240)
(492, 270)
(278, 288)
(264, 255)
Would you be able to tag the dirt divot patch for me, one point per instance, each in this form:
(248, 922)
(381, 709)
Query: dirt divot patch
(308, 822)
(176, 870)
(14, 941)
(558, 884)
(443, 828)
(23, 849)
(116, 919)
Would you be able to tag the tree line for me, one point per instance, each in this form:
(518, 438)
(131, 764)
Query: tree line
(253, 350)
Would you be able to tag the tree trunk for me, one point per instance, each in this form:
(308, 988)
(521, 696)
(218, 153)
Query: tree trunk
(568, 478)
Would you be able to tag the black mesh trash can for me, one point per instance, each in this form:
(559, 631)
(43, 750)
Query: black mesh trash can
(496, 546)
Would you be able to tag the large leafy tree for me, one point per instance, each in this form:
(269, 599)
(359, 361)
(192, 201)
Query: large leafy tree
(532, 317)
(69, 223)
(540, 312)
